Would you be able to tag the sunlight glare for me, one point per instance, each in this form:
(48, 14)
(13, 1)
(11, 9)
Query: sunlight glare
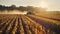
(43, 4)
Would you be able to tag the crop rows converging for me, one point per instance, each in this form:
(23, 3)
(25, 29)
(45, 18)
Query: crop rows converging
(26, 24)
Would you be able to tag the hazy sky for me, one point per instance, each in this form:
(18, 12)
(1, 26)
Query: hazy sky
(50, 4)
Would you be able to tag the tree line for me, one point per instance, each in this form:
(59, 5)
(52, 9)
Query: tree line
(22, 8)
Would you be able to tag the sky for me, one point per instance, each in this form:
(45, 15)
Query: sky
(51, 5)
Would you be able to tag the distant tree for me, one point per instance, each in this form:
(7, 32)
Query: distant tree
(12, 7)
(2, 8)
(31, 8)
(22, 8)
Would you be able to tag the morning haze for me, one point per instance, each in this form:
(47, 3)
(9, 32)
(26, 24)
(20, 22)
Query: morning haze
(51, 5)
